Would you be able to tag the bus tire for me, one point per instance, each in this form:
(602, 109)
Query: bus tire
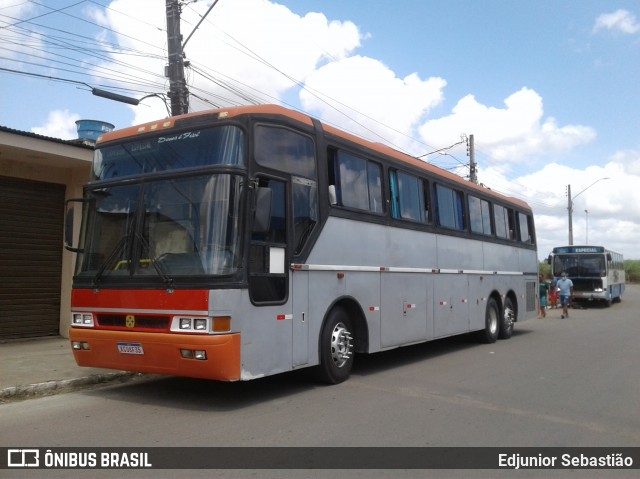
(491, 329)
(507, 320)
(336, 348)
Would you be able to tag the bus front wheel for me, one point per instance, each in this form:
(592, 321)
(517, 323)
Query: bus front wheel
(336, 348)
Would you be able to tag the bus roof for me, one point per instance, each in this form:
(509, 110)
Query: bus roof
(277, 110)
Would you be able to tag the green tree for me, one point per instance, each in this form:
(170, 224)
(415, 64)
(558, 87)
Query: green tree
(632, 270)
(544, 269)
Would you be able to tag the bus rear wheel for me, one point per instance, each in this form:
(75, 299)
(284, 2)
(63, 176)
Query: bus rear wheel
(508, 318)
(336, 348)
(491, 329)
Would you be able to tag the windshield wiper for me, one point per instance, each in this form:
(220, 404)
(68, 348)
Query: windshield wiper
(168, 280)
(116, 251)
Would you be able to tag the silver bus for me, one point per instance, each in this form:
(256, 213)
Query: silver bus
(244, 242)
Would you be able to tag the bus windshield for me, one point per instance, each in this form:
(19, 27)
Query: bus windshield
(223, 145)
(575, 265)
(169, 227)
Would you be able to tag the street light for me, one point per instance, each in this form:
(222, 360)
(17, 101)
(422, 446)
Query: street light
(586, 212)
(570, 205)
(127, 99)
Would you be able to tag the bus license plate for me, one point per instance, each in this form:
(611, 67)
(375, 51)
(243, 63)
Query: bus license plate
(130, 348)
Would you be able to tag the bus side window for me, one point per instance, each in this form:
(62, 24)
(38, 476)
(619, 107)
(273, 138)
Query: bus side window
(409, 197)
(294, 153)
(285, 150)
(503, 218)
(374, 175)
(450, 208)
(305, 210)
(479, 216)
(526, 232)
(355, 182)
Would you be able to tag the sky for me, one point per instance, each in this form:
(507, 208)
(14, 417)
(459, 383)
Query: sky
(547, 88)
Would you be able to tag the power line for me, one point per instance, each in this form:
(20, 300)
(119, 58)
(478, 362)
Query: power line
(241, 93)
(106, 7)
(28, 20)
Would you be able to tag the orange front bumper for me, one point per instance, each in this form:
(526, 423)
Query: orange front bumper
(161, 353)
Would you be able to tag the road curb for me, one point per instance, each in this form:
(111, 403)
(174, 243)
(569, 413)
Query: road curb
(63, 385)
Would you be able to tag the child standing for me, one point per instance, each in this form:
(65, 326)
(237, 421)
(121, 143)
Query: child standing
(553, 295)
(544, 290)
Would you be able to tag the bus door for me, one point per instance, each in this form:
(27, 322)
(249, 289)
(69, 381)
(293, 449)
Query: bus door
(304, 192)
(269, 268)
(292, 153)
(268, 331)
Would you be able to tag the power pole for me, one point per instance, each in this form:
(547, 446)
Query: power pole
(570, 208)
(473, 172)
(178, 93)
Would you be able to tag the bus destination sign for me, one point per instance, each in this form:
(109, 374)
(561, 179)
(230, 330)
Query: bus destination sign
(578, 249)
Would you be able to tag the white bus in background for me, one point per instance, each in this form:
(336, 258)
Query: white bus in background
(596, 272)
(243, 242)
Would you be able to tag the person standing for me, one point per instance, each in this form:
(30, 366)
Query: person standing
(553, 293)
(565, 292)
(544, 290)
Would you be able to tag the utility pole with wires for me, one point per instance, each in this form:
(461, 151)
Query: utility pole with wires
(473, 172)
(178, 93)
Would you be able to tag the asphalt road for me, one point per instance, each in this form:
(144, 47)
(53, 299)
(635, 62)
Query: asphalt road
(555, 383)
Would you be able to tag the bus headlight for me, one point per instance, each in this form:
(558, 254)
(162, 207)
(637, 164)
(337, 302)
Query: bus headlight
(190, 324)
(83, 320)
(201, 325)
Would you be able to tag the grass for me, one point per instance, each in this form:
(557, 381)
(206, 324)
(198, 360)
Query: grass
(632, 270)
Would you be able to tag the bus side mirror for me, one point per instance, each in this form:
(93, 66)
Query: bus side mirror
(548, 260)
(262, 212)
(68, 226)
(68, 229)
(608, 256)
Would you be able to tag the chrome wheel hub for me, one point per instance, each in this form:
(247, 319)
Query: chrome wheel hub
(508, 317)
(341, 345)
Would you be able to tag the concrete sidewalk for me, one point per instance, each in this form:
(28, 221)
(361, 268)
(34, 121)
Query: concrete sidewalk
(45, 366)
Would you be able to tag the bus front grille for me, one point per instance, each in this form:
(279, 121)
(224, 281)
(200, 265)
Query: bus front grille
(129, 322)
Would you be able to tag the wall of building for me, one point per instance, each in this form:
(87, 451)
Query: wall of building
(32, 157)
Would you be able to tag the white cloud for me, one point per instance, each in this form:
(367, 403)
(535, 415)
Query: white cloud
(508, 135)
(262, 51)
(620, 20)
(613, 204)
(365, 97)
(247, 50)
(629, 159)
(266, 51)
(20, 41)
(60, 124)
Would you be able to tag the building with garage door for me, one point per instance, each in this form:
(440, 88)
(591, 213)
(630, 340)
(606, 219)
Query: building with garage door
(37, 174)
